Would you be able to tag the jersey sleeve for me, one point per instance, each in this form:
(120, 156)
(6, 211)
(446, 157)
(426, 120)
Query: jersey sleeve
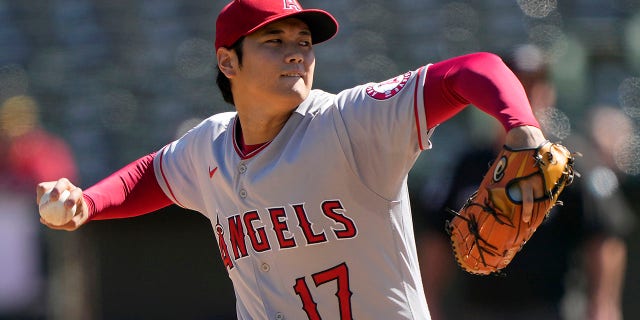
(388, 123)
(181, 166)
(383, 127)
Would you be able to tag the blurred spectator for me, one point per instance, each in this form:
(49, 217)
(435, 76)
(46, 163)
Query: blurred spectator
(574, 266)
(28, 154)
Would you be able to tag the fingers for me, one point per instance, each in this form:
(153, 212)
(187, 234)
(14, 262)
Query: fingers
(525, 191)
(56, 188)
(527, 200)
(43, 187)
(75, 198)
(81, 216)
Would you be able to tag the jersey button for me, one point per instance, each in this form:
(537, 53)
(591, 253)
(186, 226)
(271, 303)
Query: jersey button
(265, 267)
(279, 316)
(243, 193)
(242, 168)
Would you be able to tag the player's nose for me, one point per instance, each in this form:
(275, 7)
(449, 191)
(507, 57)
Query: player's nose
(294, 54)
(294, 57)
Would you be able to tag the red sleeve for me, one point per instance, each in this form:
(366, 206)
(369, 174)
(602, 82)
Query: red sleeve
(481, 79)
(129, 192)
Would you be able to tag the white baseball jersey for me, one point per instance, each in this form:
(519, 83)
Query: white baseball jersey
(315, 224)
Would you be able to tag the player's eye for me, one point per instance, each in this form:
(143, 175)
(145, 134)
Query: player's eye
(305, 43)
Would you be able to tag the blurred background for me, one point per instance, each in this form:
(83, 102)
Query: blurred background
(87, 86)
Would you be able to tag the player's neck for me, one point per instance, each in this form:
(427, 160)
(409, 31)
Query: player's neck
(246, 149)
(257, 130)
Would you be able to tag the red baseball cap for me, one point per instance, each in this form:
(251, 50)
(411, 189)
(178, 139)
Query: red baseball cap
(242, 17)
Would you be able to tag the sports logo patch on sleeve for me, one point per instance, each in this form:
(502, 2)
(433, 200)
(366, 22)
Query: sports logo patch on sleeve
(387, 89)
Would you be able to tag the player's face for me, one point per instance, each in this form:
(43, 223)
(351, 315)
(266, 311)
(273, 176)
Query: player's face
(277, 64)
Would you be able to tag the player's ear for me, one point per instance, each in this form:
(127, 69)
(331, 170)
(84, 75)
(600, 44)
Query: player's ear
(227, 61)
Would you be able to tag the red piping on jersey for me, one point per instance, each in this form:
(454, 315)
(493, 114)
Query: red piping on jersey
(166, 181)
(239, 150)
(415, 107)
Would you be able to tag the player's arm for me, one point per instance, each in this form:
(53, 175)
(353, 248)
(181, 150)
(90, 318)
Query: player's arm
(481, 79)
(129, 192)
(526, 181)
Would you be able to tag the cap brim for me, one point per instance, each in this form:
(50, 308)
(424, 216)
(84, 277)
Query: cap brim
(323, 25)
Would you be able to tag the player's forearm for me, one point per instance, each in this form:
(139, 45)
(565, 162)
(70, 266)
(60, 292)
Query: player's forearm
(131, 191)
(481, 79)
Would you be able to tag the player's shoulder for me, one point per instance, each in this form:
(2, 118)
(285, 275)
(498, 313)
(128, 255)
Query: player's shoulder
(223, 119)
(317, 101)
(213, 125)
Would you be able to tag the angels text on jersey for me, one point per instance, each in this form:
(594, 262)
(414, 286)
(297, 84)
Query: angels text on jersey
(248, 230)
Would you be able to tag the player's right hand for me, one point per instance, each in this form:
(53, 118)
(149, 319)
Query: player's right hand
(75, 197)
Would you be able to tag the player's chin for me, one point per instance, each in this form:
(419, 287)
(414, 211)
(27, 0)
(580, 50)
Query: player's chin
(297, 90)
(294, 82)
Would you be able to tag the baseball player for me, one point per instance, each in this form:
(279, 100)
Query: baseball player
(307, 190)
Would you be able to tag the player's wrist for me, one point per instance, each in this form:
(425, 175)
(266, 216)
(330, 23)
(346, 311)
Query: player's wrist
(522, 137)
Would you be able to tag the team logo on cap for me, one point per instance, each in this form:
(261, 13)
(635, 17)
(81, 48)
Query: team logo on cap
(291, 4)
(387, 89)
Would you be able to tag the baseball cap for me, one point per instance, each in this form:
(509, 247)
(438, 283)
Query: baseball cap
(242, 17)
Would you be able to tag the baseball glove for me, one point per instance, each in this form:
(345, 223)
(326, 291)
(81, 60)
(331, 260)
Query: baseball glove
(513, 199)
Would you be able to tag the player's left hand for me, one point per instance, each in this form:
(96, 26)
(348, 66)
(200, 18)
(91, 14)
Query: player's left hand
(526, 190)
(513, 199)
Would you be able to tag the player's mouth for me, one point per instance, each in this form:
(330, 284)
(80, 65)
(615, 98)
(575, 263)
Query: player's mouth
(292, 75)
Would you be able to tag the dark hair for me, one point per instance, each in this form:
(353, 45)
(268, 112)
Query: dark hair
(224, 84)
